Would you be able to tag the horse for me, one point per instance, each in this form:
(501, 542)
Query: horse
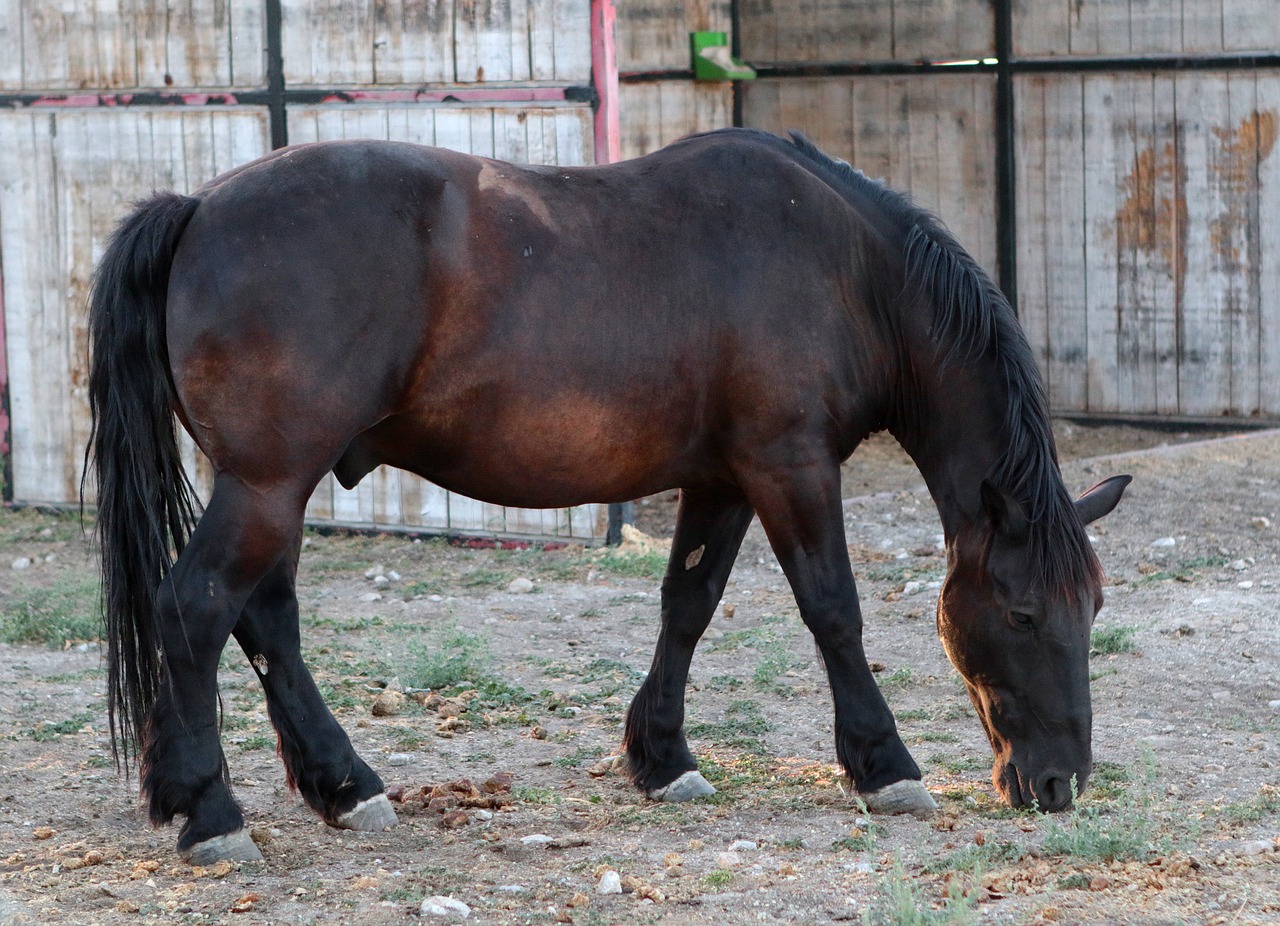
(730, 317)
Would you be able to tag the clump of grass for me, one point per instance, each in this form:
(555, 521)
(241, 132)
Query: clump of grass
(1124, 830)
(717, 880)
(899, 678)
(1266, 803)
(742, 728)
(454, 658)
(1110, 641)
(975, 857)
(900, 900)
(65, 612)
(649, 565)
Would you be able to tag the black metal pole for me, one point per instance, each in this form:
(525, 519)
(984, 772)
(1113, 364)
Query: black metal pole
(735, 50)
(275, 75)
(1006, 156)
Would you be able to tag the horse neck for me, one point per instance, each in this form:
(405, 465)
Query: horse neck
(954, 427)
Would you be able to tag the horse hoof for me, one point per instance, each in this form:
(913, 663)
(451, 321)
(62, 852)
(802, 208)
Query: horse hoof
(233, 847)
(688, 786)
(369, 816)
(906, 796)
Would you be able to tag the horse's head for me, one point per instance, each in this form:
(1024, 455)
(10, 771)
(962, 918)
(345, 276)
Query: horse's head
(1023, 648)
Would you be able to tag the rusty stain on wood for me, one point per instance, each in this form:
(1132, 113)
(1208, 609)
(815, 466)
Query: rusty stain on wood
(1148, 209)
(1240, 151)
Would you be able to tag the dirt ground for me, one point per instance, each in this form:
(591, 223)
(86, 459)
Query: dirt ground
(1181, 823)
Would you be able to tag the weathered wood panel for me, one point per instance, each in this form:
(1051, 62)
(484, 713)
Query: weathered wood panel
(1120, 27)
(1146, 204)
(544, 135)
(656, 114)
(653, 35)
(405, 43)
(927, 136)
(808, 31)
(112, 45)
(66, 177)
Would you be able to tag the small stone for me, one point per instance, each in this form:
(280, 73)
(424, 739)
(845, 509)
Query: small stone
(578, 900)
(536, 839)
(43, 832)
(435, 598)
(389, 703)
(728, 860)
(1240, 626)
(374, 571)
(1164, 542)
(455, 819)
(1257, 847)
(910, 588)
(1260, 523)
(444, 906)
(728, 611)
(245, 903)
(1247, 583)
(1220, 695)
(743, 845)
(381, 581)
(370, 596)
(1274, 704)
(22, 562)
(484, 816)
(610, 882)
(400, 759)
(520, 586)
(1214, 769)
(393, 576)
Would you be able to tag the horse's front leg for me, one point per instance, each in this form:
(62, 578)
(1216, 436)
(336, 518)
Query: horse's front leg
(183, 768)
(319, 760)
(799, 507)
(709, 531)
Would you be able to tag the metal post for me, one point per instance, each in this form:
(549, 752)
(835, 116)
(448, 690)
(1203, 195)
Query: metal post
(275, 75)
(604, 75)
(1006, 163)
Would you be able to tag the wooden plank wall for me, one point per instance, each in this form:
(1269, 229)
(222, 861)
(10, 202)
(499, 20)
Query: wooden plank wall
(1119, 27)
(407, 42)
(129, 44)
(841, 31)
(929, 136)
(1149, 211)
(66, 177)
(653, 36)
(69, 172)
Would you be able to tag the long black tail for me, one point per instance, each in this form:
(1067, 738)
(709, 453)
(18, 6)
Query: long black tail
(146, 506)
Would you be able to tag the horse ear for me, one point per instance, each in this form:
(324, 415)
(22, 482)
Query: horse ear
(1007, 516)
(1102, 498)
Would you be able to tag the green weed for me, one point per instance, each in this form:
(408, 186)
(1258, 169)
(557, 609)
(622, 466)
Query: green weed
(652, 565)
(65, 612)
(975, 858)
(1266, 803)
(717, 880)
(1126, 830)
(900, 900)
(1108, 641)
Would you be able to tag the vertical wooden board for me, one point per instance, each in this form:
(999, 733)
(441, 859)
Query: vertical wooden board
(329, 45)
(852, 30)
(248, 40)
(1032, 217)
(1104, 101)
(572, 40)
(1041, 27)
(413, 124)
(575, 139)
(1168, 275)
(759, 103)
(1155, 26)
(385, 484)
(1268, 239)
(199, 42)
(1250, 24)
(1203, 372)
(1202, 25)
(542, 38)
(432, 503)
(12, 22)
(1236, 234)
(413, 41)
(653, 35)
(510, 138)
(870, 102)
(453, 129)
(320, 505)
(45, 48)
(483, 141)
(481, 48)
(965, 163)
(758, 31)
(1136, 151)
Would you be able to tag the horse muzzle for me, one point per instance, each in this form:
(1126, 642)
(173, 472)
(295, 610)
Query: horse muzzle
(1048, 787)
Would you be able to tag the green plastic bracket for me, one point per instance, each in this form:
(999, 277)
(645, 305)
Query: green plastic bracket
(711, 58)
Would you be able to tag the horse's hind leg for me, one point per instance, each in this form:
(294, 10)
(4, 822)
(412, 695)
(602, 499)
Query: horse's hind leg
(708, 534)
(318, 757)
(240, 536)
(805, 525)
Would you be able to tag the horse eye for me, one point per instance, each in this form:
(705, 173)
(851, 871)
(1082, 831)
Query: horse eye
(1021, 620)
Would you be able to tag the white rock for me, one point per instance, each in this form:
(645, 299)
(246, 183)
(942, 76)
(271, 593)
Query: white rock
(400, 758)
(1274, 705)
(380, 581)
(1261, 523)
(1247, 583)
(610, 882)
(22, 562)
(435, 598)
(444, 906)
(727, 860)
(1164, 542)
(520, 586)
(370, 596)
(537, 839)
(743, 845)
(374, 571)
(1238, 565)
(393, 576)
(484, 816)
(912, 587)
(511, 888)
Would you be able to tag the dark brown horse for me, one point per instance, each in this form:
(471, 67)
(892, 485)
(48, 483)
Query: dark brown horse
(730, 316)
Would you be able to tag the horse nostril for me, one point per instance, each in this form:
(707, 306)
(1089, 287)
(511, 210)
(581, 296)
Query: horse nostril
(1053, 792)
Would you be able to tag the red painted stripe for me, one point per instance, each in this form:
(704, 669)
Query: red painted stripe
(604, 74)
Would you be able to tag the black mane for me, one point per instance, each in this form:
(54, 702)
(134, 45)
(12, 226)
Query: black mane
(974, 319)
